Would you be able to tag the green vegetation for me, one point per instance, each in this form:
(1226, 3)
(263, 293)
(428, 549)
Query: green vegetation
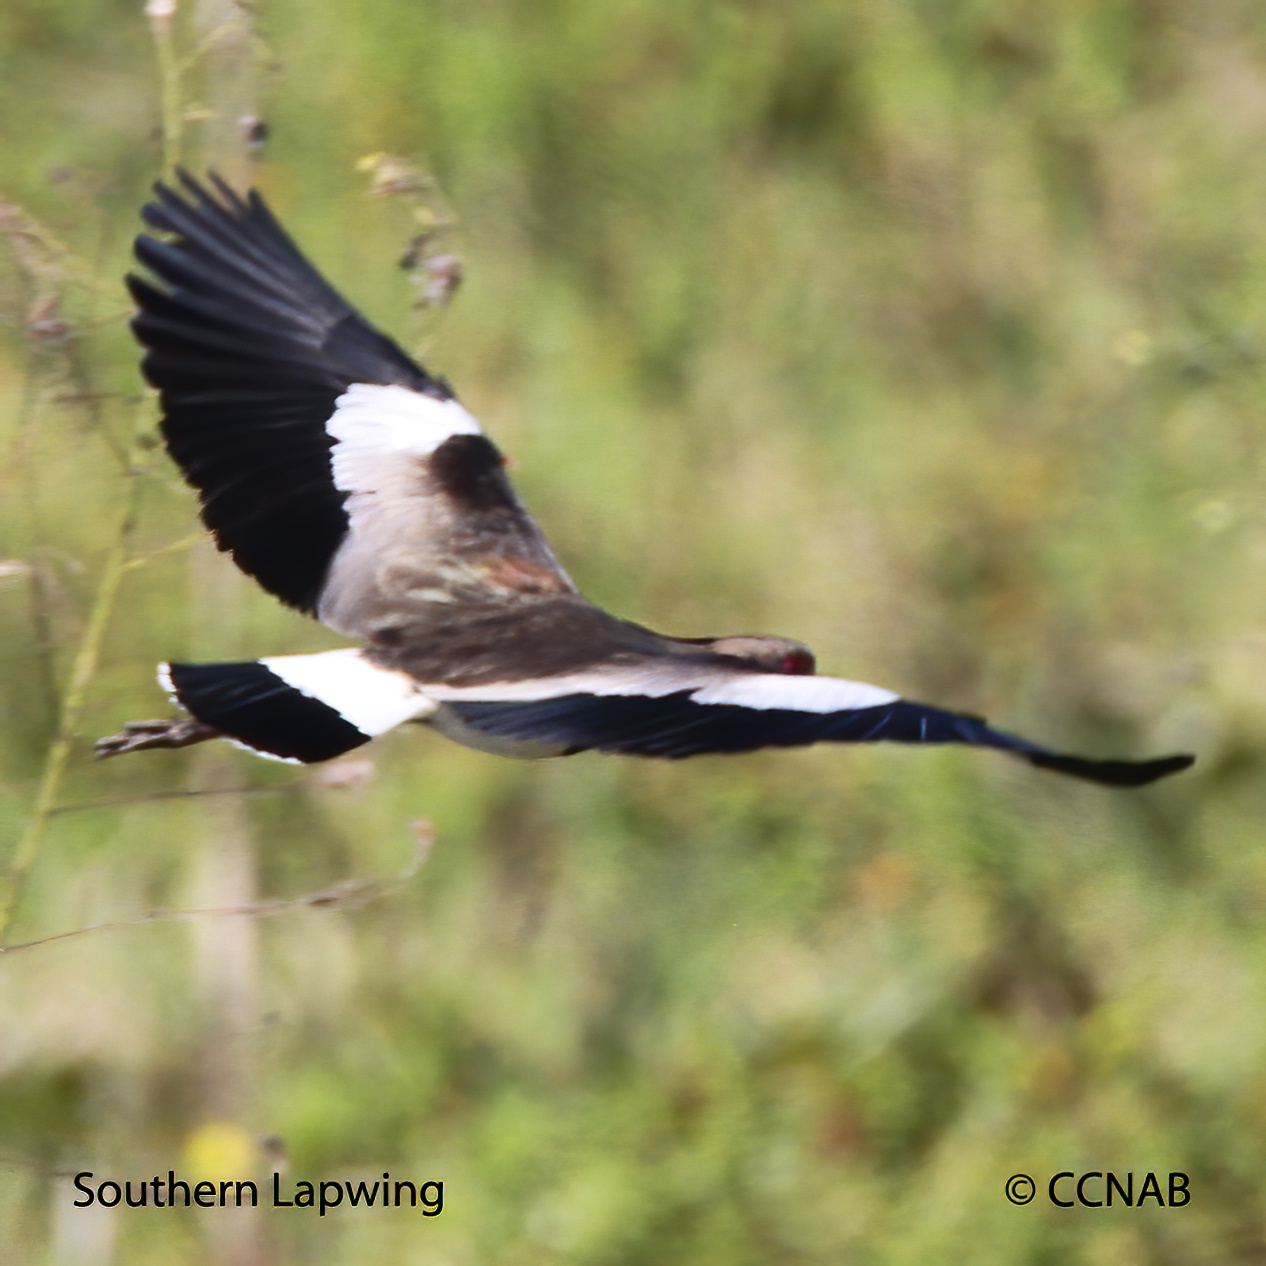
(929, 333)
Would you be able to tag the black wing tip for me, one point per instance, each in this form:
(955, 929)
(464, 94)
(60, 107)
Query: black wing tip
(186, 196)
(1113, 773)
(178, 194)
(189, 183)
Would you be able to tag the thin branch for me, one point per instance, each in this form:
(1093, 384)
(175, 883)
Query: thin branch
(52, 608)
(112, 802)
(346, 894)
(82, 670)
(37, 577)
(185, 542)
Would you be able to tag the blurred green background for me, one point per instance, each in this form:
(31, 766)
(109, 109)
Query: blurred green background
(930, 333)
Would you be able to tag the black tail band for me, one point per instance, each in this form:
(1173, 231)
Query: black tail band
(251, 704)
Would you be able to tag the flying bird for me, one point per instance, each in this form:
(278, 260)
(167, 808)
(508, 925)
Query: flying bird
(351, 484)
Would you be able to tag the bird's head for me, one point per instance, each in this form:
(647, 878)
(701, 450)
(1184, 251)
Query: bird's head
(773, 654)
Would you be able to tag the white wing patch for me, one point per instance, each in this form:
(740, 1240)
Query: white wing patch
(761, 692)
(165, 682)
(370, 422)
(371, 698)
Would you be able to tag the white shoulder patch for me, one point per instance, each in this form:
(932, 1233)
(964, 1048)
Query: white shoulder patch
(765, 691)
(371, 698)
(370, 422)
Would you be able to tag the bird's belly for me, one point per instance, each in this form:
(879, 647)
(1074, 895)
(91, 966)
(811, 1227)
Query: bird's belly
(449, 724)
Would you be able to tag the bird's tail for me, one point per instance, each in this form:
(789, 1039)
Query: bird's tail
(303, 708)
(1111, 773)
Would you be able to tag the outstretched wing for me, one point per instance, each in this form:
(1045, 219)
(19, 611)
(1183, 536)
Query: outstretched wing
(306, 431)
(763, 710)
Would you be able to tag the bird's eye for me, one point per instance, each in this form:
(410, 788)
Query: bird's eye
(798, 663)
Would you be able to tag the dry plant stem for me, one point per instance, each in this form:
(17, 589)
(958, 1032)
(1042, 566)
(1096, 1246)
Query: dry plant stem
(45, 643)
(176, 547)
(344, 895)
(160, 25)
(225, 979)
(81, 674)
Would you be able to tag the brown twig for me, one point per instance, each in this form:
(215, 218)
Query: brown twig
(113, 802)
(346, 894)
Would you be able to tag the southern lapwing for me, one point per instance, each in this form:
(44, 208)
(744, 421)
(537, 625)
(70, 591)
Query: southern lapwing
(350, 483)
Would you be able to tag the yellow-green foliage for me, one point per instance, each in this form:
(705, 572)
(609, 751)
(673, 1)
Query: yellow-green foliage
(928, 332)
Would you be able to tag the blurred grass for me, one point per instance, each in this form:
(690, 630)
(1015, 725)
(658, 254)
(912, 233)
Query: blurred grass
(929, 333)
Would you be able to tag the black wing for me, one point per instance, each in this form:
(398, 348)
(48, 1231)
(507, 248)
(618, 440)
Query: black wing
(249, 348)
(676, 726)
